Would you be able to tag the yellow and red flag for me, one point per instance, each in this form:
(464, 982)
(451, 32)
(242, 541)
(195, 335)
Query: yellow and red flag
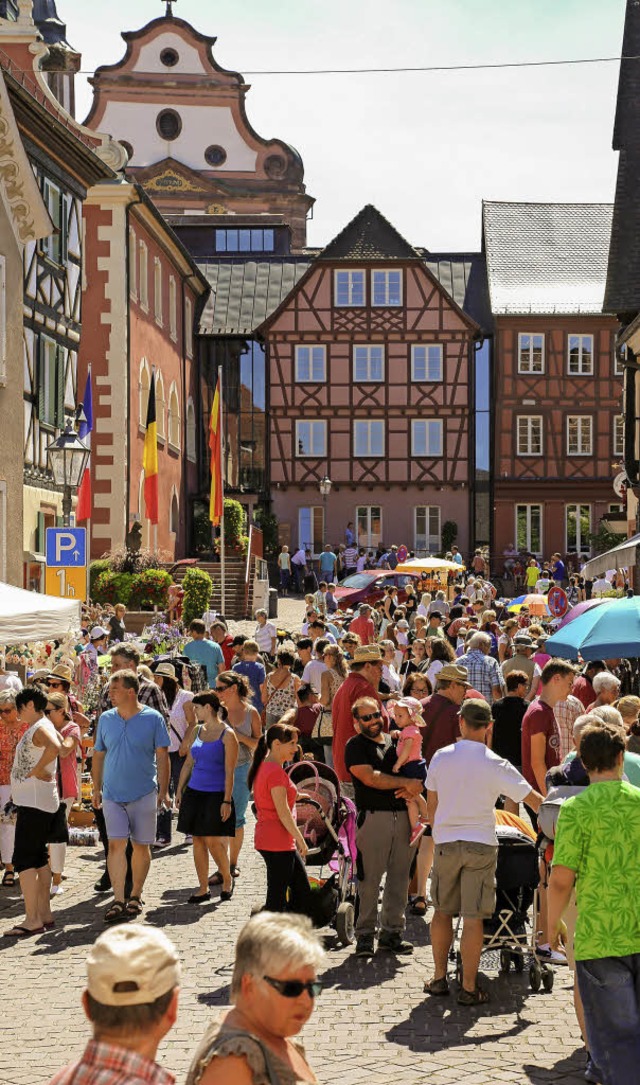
(215, 444)
(150, 457)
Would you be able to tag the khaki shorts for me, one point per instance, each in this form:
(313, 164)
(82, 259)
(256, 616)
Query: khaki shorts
(463, 880)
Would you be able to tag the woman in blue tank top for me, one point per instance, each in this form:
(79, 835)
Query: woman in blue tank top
(204, 794)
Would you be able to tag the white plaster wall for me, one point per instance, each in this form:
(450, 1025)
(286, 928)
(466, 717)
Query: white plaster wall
(149, 58)
(202, 126)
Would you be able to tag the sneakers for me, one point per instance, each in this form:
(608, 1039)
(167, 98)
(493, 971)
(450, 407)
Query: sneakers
(56, 890)
(365, 946)
(393, 942)
(549, 955)
(416, 833)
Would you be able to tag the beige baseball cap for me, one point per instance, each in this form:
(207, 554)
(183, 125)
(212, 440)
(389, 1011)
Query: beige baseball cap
(132, 965)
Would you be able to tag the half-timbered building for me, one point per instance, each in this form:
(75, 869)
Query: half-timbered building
(557, 426)
(370, 365)
(66, 161)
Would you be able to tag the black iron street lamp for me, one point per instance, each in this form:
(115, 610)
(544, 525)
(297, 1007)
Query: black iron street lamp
(324, 485)
(68, 457)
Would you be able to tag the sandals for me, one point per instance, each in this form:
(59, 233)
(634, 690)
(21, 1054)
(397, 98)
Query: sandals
(22, 932)
(8, 879)
(235, 871)
(227, 894)
(440, 987)
(473, 998)
(419, 906)
(133, 907)
(116, 912)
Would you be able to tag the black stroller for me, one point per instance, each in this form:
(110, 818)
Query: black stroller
(327, 820)
(505, 933)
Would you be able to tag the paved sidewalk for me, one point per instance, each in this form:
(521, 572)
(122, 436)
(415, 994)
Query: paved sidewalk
(373, 1025)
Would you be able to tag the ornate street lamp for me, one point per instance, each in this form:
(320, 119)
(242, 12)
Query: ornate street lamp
(68, 457)
(324, 486)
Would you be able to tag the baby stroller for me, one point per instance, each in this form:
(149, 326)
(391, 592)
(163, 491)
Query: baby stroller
(505, 933)
(327, 820)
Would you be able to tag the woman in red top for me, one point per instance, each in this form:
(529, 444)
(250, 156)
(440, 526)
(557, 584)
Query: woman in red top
(277, 837)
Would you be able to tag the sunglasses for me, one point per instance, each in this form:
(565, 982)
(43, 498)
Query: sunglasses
(221, 689)
(55, 685)
(6, 711)
(294, 988)
(370, 716)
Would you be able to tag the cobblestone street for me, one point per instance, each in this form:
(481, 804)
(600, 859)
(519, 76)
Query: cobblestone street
(372, 1025)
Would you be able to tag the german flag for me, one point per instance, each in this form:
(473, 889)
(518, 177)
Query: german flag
(150, 457)
(215, 444)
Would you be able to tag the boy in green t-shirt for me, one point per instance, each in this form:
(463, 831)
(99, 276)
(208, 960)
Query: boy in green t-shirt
(596, 850)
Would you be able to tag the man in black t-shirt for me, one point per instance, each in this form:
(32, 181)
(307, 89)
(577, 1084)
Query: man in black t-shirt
(506, 735)
(383, 831)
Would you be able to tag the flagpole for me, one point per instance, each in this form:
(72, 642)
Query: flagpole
(222, 547)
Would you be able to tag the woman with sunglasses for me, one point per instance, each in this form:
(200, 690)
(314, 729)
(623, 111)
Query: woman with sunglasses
(277, 836)
(235, 695)
(59, 712)
(273, 992)
(204, 794)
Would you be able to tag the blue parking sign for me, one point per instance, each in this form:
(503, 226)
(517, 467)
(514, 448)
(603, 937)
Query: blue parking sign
(66, 547)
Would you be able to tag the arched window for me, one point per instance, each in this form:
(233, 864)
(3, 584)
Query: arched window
(143, 390)
(174, 515)
(191, 431)
(174, 417)
(160, 406)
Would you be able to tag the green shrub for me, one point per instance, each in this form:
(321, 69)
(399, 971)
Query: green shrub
(234, 521)
(150, 589)
(112, 588)
(198, 589)
(96, 568)
(449, 534)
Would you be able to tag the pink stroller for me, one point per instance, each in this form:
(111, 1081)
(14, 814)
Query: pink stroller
(327, 820)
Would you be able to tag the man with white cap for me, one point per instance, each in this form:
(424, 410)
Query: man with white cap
(131, 999)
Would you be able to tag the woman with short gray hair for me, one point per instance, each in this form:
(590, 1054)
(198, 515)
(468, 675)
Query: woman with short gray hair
(273, 991)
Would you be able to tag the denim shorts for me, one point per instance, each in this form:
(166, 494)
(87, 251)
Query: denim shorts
(241, 793)
(132, 819)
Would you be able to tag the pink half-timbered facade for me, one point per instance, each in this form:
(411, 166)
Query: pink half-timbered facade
(369, 383)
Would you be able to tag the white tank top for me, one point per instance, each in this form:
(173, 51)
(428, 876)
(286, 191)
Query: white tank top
(40, 794)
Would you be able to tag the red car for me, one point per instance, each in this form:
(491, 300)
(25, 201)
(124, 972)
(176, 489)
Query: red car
(369, 587)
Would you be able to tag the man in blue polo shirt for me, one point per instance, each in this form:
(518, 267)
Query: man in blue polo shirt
(130, 780)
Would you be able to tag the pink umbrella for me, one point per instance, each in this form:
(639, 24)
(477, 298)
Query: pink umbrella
(580, 608)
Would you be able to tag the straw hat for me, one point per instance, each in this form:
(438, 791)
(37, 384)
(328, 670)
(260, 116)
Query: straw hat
(65, 674)
(367, 653)
(166, 670)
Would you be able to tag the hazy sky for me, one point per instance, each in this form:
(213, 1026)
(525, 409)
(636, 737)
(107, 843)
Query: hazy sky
(425, 148)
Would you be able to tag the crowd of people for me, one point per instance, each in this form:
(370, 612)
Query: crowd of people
(440, 713)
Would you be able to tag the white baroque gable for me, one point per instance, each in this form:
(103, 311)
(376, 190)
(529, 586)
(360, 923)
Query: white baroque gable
(189, 60)
(202, 126)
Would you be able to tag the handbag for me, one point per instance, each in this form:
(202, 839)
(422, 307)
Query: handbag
(323, 727)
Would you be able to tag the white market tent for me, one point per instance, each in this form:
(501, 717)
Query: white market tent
(27, 616)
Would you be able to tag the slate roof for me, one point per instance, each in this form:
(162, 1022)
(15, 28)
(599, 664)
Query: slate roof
(245, 292)
(622, 294)
(369, 236)
(546, 257)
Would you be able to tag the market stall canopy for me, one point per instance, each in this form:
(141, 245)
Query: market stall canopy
(27, 616)
(622, 556)
(428, 565)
